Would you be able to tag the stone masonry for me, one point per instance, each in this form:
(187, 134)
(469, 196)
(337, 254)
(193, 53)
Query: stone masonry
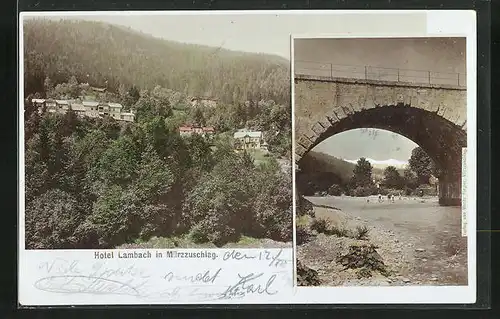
(433, 116)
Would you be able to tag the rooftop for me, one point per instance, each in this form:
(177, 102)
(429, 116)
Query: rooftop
(242, 134)
(206, 98)
(90, 103)
(190, 128)
(77, 107)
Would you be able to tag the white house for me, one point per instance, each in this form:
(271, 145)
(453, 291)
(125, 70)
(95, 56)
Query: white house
(115, 110)
(78, 108)
(127, 116)
(248, 140)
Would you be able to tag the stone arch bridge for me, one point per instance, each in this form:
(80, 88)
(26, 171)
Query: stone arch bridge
(433, 116)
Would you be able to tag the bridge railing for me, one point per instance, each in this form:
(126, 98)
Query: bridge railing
(309, 68)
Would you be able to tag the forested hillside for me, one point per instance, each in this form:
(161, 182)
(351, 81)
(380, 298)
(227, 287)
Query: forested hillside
(318, 171)
(321, 162)
(317, 162)
(106, 56)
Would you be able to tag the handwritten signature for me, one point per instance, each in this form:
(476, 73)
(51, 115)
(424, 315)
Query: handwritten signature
(88, 284)
(245, 286)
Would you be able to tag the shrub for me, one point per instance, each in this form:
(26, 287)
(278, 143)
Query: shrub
(302, 234)
(276, 224)
(115, 217)
(211, 230)
(273, 208)
(320, 225)
(52, 220)
(307, 276)
(338, 231)
(362, 191)
(365, 258)
(361, 232)
(427, 190)
(302, 220)
(218, 209)
(335, 190)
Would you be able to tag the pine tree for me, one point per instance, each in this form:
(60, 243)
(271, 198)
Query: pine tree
(48, 86)
(362, 173)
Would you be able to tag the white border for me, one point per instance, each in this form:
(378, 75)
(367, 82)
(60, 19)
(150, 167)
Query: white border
(294, 195)
(439, 23)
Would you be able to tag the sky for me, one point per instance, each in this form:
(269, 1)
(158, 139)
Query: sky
(376, 144)
(446, 55)
(271, 34)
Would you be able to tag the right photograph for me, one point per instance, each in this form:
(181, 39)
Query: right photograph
(380, 131)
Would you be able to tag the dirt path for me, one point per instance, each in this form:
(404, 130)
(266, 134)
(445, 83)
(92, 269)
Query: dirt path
(418, 240)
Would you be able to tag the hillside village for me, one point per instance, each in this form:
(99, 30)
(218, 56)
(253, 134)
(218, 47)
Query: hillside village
(90, 109)
(243, 139)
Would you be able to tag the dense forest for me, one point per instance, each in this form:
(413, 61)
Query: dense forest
(105, 55)
(101, 183)
(96, 183)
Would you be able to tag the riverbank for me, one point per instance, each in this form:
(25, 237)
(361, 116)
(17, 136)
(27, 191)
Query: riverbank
(418, 241)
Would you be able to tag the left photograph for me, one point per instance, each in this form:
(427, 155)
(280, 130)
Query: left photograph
(140, 133)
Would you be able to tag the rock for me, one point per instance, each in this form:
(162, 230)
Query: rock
(307, 276)
(424, 259)
(434, 279)
(419, 250)
(396, 240)
(405, 280)
(389, 281)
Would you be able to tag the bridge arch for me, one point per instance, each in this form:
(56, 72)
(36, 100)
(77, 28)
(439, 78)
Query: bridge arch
(434, 117)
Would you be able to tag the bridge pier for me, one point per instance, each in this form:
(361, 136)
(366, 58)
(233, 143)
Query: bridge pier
(450, 191)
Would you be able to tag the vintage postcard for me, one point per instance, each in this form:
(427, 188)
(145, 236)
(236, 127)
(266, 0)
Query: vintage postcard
(170, 158)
